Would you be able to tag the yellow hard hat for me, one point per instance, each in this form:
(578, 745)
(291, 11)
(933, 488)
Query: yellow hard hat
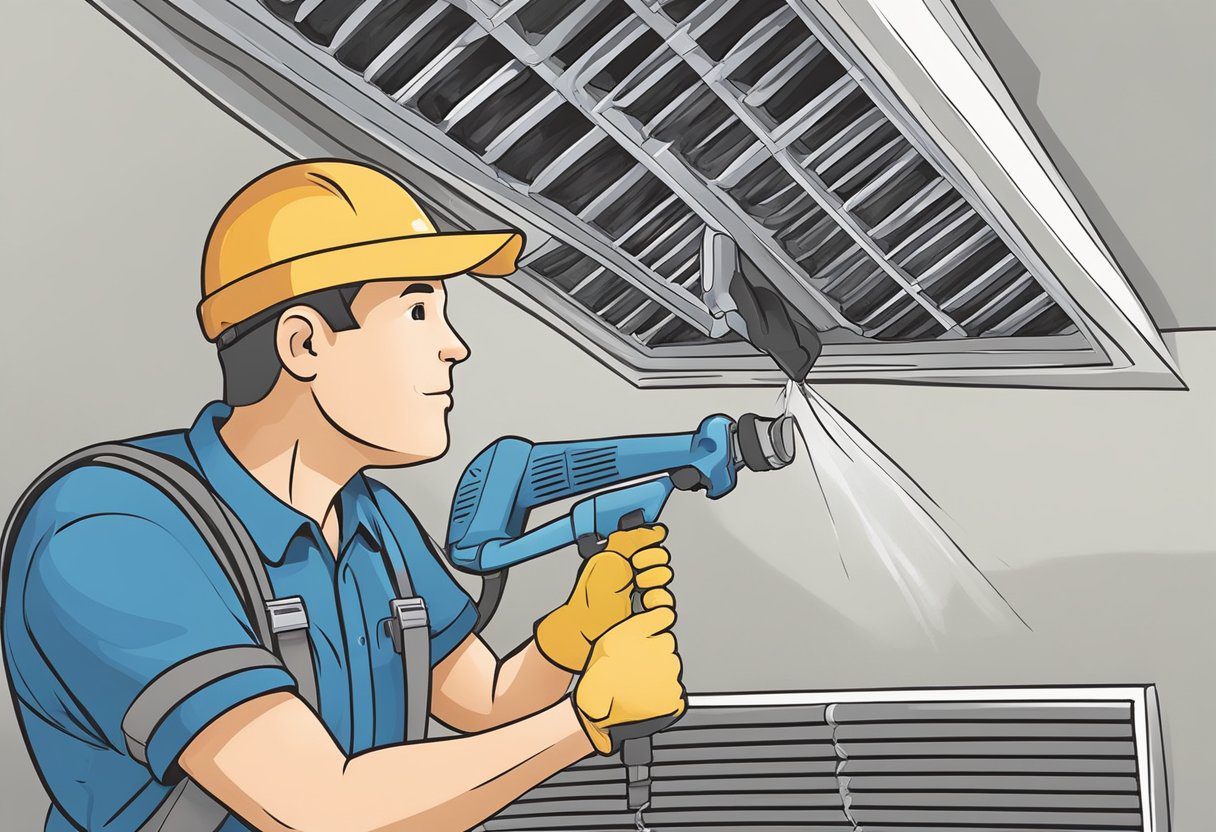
(317, 224)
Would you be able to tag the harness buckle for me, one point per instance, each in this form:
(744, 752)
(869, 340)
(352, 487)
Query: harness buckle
(287, 614)
(405, 614)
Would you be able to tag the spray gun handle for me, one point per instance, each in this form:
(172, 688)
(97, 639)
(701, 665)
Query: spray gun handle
(588, 545)
(634, 738)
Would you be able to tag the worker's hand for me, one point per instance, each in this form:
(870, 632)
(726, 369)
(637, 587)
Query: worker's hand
(632, 684)
(601, 594)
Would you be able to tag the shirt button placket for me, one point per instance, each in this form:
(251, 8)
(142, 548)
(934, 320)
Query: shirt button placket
(358, 658)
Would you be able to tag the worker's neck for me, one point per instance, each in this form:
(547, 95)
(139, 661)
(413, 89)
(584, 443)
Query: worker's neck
(289, 447)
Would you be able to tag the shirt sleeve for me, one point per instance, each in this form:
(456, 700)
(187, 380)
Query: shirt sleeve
(450, 610)
(139, 623)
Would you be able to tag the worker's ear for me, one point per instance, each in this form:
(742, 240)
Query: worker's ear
(300, 335)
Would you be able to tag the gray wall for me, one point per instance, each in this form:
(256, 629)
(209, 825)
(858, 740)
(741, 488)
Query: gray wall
(1092, 509)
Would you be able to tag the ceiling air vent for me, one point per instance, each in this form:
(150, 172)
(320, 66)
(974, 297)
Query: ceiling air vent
(617, 132)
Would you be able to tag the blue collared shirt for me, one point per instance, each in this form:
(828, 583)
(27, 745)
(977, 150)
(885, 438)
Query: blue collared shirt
(110, 586)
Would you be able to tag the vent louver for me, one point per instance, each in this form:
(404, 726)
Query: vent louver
(634, 119)
(613, 300)
(1014, 760)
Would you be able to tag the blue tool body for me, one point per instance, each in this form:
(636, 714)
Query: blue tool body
(512, 476)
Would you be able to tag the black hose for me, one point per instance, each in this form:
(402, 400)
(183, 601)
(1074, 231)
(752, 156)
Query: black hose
(493, 584)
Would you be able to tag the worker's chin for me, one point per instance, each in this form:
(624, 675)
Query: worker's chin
(391, 437)
(419, 446)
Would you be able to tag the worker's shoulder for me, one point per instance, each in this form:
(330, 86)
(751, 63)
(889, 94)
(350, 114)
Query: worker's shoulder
(93, 490)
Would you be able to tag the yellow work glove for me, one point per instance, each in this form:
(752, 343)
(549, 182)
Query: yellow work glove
(601, 594)
(632, 684)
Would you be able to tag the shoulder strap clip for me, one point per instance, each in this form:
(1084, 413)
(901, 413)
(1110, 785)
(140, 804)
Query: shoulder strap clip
(287, 614)
(405, 614)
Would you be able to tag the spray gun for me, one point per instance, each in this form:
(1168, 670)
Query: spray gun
(503, 483)
(513, 476)
(487, 531)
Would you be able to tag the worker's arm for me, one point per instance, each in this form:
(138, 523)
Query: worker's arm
(272, 762)
(474, 690)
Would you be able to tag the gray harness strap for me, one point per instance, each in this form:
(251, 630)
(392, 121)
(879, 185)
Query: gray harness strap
(281, 625)
(409, 627)
(287, 617)
(289, 620)
(187, 808)
(180, 682)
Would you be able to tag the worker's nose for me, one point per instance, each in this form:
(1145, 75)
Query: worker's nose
(454, 348)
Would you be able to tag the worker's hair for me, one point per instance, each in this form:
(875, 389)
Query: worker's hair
(248, 356)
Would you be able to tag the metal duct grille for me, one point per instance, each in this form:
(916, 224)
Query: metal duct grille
(865, 216)
(1058, 764)
(637, 120)
(613, 300)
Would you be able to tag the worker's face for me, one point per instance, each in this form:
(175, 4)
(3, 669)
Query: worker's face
(388, 382)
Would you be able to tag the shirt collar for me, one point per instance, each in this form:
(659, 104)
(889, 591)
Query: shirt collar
(272, 523)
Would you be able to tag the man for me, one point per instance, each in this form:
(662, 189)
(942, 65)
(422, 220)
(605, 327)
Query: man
(323, 287)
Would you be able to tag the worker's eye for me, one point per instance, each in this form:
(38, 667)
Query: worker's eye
(418, 312)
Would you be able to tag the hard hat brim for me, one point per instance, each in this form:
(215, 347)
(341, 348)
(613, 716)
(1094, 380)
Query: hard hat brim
(417, 257)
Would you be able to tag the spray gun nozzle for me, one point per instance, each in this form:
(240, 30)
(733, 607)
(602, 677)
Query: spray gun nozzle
(765, 444)
(781, 435)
